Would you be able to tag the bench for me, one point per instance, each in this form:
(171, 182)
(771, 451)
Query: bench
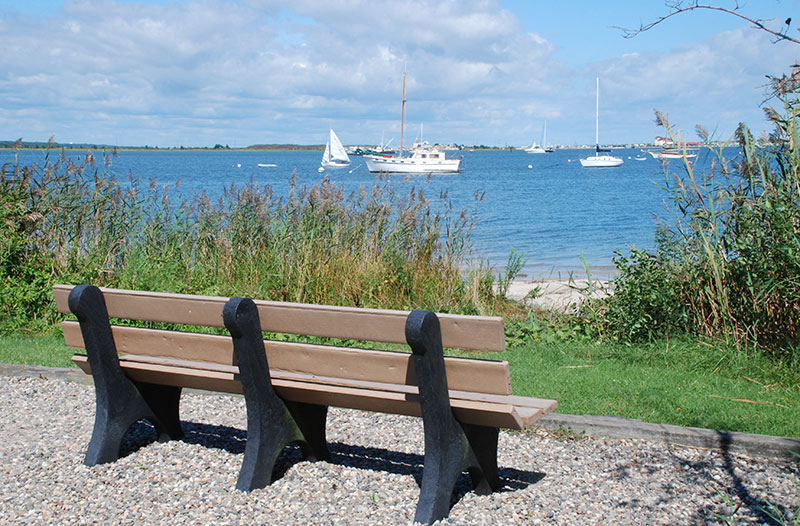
(138, 374)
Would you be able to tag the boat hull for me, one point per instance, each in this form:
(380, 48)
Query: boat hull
(672, 155)
(601, 161)
(410, 165)
(334, 165)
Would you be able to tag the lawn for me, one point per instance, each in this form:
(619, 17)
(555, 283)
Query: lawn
(682, 382)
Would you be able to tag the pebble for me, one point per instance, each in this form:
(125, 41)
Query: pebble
(45, 425)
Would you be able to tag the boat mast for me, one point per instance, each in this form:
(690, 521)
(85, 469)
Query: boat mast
(597, 119)
(403, 114)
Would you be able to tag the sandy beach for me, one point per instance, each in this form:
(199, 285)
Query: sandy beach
(558, 295)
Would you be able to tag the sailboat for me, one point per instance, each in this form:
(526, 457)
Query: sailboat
(605, 160)
(335, 155)
(423, 160)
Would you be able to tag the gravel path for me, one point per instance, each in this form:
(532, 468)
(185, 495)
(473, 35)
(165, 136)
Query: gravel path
(45, 425)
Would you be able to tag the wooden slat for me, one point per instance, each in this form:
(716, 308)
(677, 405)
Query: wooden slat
(467, 374)
(468, 411)
(481, 333)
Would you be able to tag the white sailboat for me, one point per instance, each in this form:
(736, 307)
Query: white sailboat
(423, 160)
(335, 155)
(605, 160)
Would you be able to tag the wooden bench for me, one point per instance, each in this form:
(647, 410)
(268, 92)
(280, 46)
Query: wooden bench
(138, 374)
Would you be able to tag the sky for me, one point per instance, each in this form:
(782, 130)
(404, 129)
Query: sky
(240, 72)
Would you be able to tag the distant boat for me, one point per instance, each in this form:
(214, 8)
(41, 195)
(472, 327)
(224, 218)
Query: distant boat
(642, 158)
(423, 160)
(335, 155)
(605, 160)
(382, 149)
(267, 165)
(535, 148)
(671, 153)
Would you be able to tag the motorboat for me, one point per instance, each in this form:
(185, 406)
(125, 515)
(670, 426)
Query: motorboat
(535, 148)
(423, 159)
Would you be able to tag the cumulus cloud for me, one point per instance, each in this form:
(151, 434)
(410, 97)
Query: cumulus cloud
(248, 71)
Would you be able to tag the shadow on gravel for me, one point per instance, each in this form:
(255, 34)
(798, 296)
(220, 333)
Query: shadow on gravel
(378, 459)
(738, 498)
(233, 440)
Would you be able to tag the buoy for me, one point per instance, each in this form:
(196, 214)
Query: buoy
(239, 165)
(320, 169)
(530, 166)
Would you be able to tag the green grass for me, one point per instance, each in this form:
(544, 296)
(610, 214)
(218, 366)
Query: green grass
(677, 384)
(48, 350)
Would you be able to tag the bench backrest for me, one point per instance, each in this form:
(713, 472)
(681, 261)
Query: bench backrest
(478, 333)
(465, 332)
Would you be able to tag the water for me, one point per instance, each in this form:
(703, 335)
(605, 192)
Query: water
(553, 213)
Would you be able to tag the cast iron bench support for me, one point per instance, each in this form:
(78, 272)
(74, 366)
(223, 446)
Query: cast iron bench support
(450, 447)
(120, 401)
(272, 423)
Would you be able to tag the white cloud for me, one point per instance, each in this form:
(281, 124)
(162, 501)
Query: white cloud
(208, 71)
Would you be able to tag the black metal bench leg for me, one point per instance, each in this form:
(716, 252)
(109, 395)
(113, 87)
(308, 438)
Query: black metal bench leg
(311, 419)
(270, 424)
(450, 448)
(118, 401)
(164, 401)
(483, 442)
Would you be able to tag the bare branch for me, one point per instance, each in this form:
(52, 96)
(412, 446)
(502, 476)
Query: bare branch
(677, 7)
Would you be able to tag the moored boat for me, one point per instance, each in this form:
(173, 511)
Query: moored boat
(673, 154)
(423, 159)
(606, 160)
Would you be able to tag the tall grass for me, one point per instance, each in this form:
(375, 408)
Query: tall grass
(71, 222)
(727, 263)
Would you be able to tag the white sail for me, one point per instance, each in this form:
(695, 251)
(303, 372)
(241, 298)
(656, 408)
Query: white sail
(335, 155)
(337, 151)
(326, 157)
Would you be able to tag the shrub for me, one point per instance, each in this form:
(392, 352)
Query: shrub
(728, 263)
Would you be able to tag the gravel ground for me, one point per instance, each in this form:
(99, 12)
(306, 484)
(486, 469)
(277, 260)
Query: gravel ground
(45, 425)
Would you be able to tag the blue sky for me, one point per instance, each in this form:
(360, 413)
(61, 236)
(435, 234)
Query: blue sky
(241, 72)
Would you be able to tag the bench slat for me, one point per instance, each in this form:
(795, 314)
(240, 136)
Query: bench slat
(481, 376)
(480, 333)
(498, 413)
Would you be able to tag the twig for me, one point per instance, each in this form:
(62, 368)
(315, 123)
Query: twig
(677, 9)
(746, 401)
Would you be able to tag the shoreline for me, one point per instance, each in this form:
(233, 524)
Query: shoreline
(558, 295)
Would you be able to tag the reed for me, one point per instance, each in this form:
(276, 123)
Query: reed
(71, 222)
(727, 258)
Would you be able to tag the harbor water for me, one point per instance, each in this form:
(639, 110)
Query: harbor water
(547, 207)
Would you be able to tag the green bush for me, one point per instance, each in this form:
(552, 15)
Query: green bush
(727, 264)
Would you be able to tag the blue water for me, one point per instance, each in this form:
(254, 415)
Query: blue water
(554, 212)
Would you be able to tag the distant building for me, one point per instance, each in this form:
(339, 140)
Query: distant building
(666, 142)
